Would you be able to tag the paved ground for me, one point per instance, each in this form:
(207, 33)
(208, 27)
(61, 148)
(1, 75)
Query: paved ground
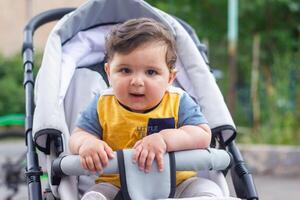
(269, 187)
(276, 187)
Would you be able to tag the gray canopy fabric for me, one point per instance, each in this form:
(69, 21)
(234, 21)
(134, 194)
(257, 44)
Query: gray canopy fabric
(62, 90)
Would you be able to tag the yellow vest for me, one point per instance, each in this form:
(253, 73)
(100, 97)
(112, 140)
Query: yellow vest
(121, 128)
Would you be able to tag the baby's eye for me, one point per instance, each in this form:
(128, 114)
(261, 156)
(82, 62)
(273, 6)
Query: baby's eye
(151, 72)
(125, 70)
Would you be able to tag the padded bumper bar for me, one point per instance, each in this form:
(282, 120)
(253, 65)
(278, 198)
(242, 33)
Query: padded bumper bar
(192, 160)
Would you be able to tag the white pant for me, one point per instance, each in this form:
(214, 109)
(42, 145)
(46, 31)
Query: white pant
(193, 188)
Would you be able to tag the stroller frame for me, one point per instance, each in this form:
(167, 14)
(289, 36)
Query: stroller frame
(241, 177)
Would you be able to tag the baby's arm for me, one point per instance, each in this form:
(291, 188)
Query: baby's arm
(154, 146)
(187, 137)
(94, 153)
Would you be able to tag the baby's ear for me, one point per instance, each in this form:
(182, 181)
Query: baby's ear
(107, 69)
(172, 76)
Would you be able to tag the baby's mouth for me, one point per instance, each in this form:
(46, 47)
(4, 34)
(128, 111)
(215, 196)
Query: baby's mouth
(136, 94)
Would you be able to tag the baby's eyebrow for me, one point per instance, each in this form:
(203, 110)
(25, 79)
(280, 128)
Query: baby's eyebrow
(154, 68)
(121, 65)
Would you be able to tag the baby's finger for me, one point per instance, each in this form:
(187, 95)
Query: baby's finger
(160, 161)
(97, 163)
(109, 151)
(149, 161)
(90, 163)
(136, 153)
(103, 158)
(137, 144)
(142, 159)
(83, 163)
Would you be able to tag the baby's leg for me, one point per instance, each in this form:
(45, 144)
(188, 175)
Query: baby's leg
(198, 187)
(101, 191)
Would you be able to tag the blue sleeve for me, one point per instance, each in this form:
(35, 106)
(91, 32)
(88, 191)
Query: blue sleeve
(189, 112)
(88, 119)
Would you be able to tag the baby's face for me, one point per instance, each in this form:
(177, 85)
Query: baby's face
(140, 79)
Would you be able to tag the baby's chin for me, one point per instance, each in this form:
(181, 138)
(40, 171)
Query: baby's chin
(142, 109)
(137, 109)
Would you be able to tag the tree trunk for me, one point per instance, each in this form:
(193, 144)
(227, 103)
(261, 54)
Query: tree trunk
(270, 93)
(231, 96)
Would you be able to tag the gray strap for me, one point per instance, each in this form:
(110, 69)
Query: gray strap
(140, 185)
(123, 193)
(172, 174)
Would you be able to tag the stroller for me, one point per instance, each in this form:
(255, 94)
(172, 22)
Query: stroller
(72, 72)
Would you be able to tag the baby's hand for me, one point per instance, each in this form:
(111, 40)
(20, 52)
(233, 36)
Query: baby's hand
(149, 148)
(94, 154)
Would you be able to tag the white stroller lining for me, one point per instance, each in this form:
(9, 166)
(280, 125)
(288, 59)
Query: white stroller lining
(85, 49)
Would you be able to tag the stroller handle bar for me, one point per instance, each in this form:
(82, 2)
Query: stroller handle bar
(39, 20)
(191, 160)
(33, 171)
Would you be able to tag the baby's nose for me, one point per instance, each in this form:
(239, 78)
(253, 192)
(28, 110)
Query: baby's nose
(137, 81)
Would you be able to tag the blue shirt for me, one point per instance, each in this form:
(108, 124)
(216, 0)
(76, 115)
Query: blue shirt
(189, 114)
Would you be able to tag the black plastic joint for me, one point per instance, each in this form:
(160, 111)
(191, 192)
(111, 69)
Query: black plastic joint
(27, 45)
(28, 79)
(241, 169)
(34, 173)
(28, 57)
(56, 171)
(58, 145)
(231, 161)
(50, 134)
(219, 131)
(28, 65)
(28, 123)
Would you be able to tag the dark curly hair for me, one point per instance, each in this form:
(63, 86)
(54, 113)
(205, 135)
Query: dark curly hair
(126, 37)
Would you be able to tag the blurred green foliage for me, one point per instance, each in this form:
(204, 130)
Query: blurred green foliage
(11, 79)
(12, 95)
(277, 22)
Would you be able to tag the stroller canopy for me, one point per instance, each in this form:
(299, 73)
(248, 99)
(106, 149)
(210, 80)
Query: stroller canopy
(78, 40)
